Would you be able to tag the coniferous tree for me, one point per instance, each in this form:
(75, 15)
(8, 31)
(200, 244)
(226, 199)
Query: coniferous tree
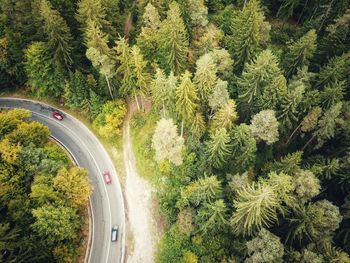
(255, 207)
(251, 33)
(288, 113)
(205, 76)
(243, 148)
(219, 148)
(336, 69)
(226, 116)
(256, 82)
(300, 53)
(198, 125)
(172, 39)
(58, 34)
(93, 10)
(124, 70)
(44, 77)
(332, 94)
(186, 99)
(212, 217)
(326, 126)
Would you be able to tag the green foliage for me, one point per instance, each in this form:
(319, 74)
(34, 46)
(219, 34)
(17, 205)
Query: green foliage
(55, 223)
(258, 83)
(255, 207)
(300, 53)
(264, 126)
(58, 34)
(226, 116)
(186, 97)
(219, 148)
(251, 32)
(265, 247)
(172, 40)
(306, 185)
(44, 76)
(205, 76)
(243, 148)
(109, 122)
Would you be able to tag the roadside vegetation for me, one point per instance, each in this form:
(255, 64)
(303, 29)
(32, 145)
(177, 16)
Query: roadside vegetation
(248, 138)
(43, 198)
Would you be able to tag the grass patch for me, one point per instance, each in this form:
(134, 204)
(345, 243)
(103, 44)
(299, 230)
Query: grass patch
(142, 128)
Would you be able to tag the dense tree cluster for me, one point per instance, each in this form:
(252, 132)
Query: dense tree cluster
(42, 198)
(250, 104)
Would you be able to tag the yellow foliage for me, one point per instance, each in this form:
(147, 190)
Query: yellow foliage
(9, 152)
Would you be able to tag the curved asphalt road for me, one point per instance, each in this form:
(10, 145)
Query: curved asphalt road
(106, 200)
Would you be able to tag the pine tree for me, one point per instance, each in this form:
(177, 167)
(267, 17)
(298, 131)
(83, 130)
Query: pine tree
(205, 76)
(251, 32)
(186, 98)
(264, 126)
(58, 34)
(226, 116)
(173, 41)
(258, 77)
(300, 53)
(243, 148)
(219, 148)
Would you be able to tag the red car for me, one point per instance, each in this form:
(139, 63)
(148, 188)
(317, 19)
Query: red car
(107, 177)
(57, 115)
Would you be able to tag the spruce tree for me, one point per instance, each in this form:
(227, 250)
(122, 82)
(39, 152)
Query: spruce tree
(300, 53)
(226, 116)
(251, 32)
(255, 207)
(198, 126)
(93, 10)
(243, 148)
(256, 82)
(58, 34)
(172, 39)
(205, 76)
(332, 94)
(219, 148)
(186, 99)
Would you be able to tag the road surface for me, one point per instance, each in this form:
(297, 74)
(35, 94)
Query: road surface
(107, 200)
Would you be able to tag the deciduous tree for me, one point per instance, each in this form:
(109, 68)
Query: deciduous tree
(167, 143)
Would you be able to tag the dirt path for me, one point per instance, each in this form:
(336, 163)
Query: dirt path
(138, 194)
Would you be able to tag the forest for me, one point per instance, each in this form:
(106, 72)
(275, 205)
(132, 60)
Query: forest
(42, 196)
(250, 114)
